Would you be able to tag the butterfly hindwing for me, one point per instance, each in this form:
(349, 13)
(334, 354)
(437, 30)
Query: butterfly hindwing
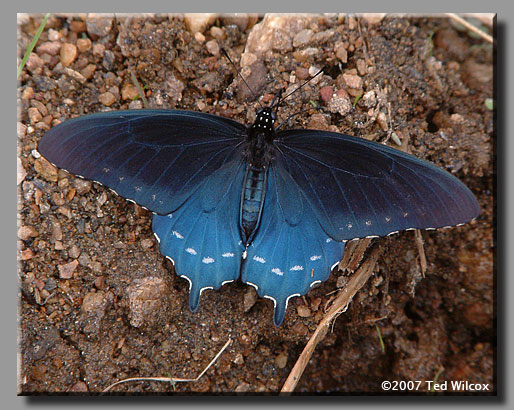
(202, 236)
(359, 188)
(290, 251)
(155, 158)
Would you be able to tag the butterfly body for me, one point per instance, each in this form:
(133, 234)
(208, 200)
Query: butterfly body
(252, 200)
(273, 209)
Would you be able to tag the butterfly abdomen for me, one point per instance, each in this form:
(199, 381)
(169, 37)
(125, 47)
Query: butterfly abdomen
(252, 199)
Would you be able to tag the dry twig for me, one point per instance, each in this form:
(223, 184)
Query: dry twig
(421, 251)
(172, 380)
(471, 27)
(339, 306)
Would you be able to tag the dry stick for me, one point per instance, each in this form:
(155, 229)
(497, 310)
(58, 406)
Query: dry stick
(421, 251)
(471, 27)
(340, 305)
(171, 379)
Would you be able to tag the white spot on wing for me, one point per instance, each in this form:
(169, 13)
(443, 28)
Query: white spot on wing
(244, 254)
(191, 251)
(328, 240)
(208, 260)
(296, 268)
(228, 255)
(177, 234)
(315, 257)
(277, 271)
(259, 259)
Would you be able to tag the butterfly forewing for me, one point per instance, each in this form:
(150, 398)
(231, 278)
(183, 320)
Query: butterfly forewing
(156, 158)
(359, 188)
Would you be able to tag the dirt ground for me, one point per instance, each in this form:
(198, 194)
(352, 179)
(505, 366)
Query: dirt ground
(99, 303)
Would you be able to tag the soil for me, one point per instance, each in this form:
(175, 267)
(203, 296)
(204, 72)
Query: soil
(99, 303)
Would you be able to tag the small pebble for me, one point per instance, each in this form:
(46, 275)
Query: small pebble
(239, 359)
(20, 172)
(382, 121)
(98, 25)
(213, 47)
(129, 92)
(50, 47)
(88, 71)
(250, 297)
(83, 186)
(68, 54)
(83, 45)
(326, 93)
(66, 270)
(281, 360)
(27, 93)
(98, 49)
(341, 52)
(26, 254)
(199, 21)
(352, 81)
(35, 64)
(34, 115)
(362, 67)
(302, 73)
(199, 37)
(53, 35)
(217, 33)
(40, 106)
(45, 169)
(79, 387)
(74, 252)
(100, 282)
(303, 311)
(303, 38)
(96, 267)
(107, 99)
(147, 243)
(373, 18)
(25, 232)
(340, 103)
(77, 26)
(318, 122)
(75, 75)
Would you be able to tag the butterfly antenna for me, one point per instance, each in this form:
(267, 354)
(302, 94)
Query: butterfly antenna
(240, 75)
(301, 86)
(289, 117)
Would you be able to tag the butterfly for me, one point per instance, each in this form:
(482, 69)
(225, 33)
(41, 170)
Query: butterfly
(271, 207)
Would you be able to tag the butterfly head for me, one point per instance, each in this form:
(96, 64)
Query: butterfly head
(265, 120)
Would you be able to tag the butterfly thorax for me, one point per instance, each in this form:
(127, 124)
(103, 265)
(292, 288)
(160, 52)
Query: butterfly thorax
(258, 151)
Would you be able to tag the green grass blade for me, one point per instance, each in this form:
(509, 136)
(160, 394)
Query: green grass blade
(32, 45)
